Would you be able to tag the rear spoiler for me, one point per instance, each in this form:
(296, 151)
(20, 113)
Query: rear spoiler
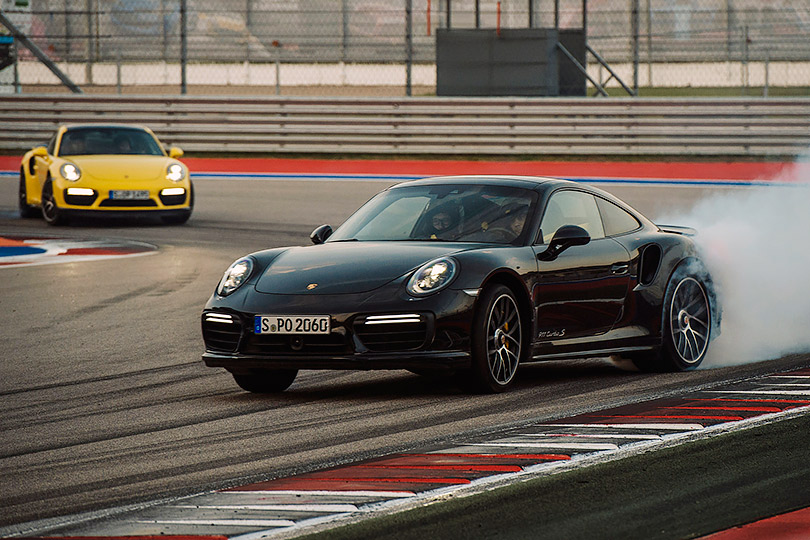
(676, 229)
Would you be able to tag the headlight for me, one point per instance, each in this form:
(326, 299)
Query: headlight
(235, 276)
(432, 277)
(71, 172)
(175, 172)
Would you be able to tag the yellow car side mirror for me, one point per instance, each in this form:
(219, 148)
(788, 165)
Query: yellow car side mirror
(40, 151)
(175, 152)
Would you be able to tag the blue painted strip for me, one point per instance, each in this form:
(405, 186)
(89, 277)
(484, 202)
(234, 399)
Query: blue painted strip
(405, 178)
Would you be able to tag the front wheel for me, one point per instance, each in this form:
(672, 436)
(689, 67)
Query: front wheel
(497, 340)
(267, 381)
(50, 209)
(686, 328)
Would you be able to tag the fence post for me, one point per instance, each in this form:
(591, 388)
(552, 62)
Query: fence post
(635, 24)
(183, 45)
(408, 45)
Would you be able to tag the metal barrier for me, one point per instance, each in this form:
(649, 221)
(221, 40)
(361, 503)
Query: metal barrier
(461, 127)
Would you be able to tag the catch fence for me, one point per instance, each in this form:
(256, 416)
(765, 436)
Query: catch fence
(388, 47)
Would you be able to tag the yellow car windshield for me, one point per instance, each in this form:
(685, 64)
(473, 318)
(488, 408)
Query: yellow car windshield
(108, 140)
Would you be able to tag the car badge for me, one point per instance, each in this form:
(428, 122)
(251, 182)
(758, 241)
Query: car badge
(311, 286)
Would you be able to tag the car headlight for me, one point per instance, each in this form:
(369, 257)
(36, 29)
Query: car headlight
(71, 172)
(235, 276)
(432, 277)
(175, 172)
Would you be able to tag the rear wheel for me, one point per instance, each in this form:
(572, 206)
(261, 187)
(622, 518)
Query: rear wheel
(267, 381)
(26, 210)
(50, 210)
(497, 340)
(686, 328)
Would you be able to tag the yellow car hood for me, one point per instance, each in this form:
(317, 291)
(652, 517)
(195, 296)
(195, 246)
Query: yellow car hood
(129, 168)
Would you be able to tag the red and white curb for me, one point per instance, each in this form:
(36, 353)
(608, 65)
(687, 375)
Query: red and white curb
(16, 251)
(288, 507)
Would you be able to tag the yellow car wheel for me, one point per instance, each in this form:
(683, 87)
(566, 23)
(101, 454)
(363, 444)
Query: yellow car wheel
(50, 209)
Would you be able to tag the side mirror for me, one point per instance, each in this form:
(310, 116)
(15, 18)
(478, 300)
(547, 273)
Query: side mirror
(565, 237)
(320, 234)
(40, 151)
(175, 152)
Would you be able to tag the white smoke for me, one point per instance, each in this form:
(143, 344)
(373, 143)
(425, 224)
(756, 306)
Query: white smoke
(756, 244)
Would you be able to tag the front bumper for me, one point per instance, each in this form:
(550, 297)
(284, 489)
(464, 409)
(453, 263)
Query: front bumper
(425, 360)
(438, 341)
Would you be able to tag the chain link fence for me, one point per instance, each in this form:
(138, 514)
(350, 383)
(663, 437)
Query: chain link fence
(388, 47)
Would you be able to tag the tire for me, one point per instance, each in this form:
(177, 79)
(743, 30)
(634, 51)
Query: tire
(687, 325)
(50, 210)
(497, 343)
(265, 381)
(26, 210)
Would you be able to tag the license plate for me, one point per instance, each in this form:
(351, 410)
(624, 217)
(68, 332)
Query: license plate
(291, 324)
(129, 194)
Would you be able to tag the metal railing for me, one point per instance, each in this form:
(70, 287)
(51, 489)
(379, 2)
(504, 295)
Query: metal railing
(460, 127)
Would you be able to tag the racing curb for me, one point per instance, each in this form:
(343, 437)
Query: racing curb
(462, 467)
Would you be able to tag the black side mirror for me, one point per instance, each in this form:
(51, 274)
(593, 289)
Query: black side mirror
(320, 234)
(565, 237)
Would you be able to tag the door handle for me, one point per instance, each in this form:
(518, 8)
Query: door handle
(620, 268)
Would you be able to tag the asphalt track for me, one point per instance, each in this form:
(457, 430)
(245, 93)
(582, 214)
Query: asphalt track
(105, 401)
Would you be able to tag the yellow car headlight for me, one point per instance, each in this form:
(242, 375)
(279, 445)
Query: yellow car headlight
(175, 172)
(70, 172)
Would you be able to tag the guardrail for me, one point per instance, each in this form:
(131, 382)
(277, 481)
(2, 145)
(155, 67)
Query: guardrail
(450, 127)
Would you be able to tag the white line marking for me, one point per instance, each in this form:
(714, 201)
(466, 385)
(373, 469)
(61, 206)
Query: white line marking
(280, 507)
(662, 427)
(222, 522)
(381, 494)
(764, 392)
(593, 436)
(571, 446)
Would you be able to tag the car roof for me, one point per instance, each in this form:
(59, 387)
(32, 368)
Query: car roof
(526, 182)
(116, 126)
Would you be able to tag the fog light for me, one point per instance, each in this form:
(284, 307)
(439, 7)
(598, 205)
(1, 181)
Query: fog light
(173, 191)
(82, 192)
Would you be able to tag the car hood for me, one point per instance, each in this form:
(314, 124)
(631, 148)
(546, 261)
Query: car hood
(347, 267)
(137, 168)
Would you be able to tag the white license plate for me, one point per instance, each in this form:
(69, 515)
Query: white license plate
(129, 194)
(291, 324)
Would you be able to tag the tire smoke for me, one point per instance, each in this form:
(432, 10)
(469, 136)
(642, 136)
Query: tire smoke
(755, 245)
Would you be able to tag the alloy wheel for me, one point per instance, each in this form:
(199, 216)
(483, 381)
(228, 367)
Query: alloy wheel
(690, 320)
(503, 339)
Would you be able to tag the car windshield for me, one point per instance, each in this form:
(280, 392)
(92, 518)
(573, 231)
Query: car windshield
(450, 213)
(108, 140)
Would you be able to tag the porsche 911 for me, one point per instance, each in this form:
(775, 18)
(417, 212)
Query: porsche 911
(471, 277)
(104, 170)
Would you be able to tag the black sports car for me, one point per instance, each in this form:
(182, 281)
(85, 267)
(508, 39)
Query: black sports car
(470, 275)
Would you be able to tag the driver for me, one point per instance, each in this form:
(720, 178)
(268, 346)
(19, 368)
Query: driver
(442, 224)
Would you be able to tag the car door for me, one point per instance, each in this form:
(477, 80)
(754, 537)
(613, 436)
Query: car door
(582, 291)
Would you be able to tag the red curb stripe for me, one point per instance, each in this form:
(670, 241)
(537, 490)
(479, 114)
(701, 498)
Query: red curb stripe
(409, 480)
(607, 169)
(501, 456)
(147, 537)
(468, 468)
(680, 417)
(790, 526)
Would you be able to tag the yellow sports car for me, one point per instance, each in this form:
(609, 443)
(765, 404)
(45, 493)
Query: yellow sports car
(105, 170)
